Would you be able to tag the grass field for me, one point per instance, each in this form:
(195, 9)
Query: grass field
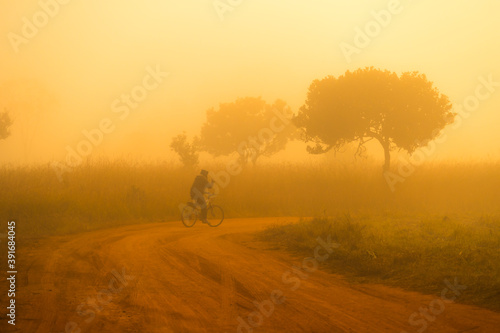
(442, 222)
(103, 194)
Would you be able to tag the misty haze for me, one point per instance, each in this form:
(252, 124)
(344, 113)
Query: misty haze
(250, 166)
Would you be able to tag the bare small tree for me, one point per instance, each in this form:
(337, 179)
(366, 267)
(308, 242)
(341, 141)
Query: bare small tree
(188, 152)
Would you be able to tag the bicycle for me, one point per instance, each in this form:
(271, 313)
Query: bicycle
(192, 211)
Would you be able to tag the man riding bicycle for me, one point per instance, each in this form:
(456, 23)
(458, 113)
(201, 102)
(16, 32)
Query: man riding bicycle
(200, 185)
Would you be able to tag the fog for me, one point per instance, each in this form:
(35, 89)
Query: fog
(163, 159)
(66, 71)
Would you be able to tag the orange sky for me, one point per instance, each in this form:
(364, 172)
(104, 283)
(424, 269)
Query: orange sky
(89, 53)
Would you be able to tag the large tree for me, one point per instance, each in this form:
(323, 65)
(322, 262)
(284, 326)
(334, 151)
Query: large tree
(248, 126)
(404, 112)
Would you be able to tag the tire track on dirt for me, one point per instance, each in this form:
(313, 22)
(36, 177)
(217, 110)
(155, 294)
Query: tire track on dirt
(228, 303)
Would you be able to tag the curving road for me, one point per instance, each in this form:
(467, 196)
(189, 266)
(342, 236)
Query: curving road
(168, 278)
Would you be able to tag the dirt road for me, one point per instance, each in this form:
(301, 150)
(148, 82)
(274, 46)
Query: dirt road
(167, 278)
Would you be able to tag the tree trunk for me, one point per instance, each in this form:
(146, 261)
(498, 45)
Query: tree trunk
(387, 151)
(387, 155)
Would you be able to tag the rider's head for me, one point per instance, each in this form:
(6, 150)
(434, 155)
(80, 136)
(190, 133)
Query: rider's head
(204, 173)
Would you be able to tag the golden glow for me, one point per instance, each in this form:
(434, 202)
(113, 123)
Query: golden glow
(92, 52)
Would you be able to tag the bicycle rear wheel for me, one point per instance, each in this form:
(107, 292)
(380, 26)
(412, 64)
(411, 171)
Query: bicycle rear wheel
(215, 216)
(189, 216)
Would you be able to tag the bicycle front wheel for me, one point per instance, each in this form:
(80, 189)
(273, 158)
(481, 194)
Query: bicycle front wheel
(188, 216)
(215, 216)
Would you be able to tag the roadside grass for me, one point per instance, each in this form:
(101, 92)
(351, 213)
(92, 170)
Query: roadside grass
(413, 253)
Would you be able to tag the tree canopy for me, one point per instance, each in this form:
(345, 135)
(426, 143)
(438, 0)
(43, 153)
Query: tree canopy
(404, 112)
(249, 126)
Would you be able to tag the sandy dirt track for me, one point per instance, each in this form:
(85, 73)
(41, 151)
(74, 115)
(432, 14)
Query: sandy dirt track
(167, 278)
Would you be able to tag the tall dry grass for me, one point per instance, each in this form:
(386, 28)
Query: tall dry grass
(103, 194)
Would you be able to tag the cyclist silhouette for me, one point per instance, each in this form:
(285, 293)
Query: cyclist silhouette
(200, 185)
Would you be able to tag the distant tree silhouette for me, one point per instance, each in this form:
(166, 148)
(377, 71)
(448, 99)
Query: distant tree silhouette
(5, 123)
(187, 151)
(249, 126)
(404, 112)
